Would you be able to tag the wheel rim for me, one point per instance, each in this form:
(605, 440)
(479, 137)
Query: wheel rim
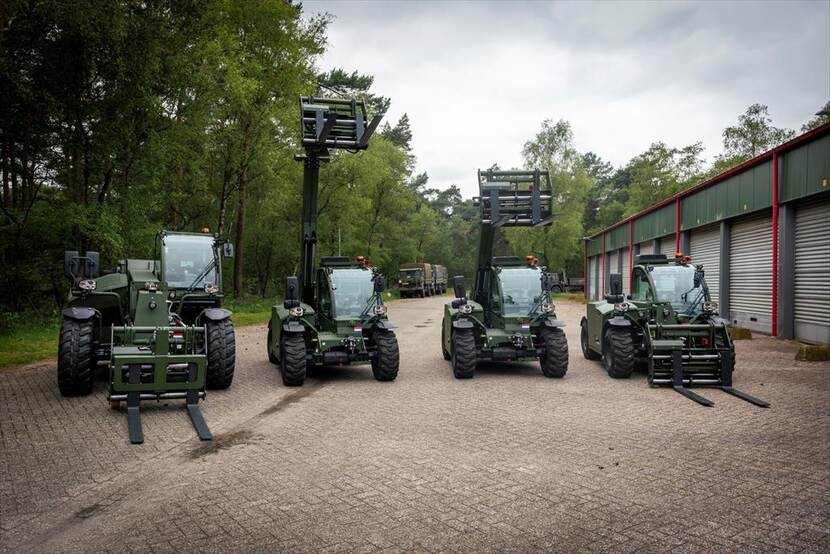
(606, 356)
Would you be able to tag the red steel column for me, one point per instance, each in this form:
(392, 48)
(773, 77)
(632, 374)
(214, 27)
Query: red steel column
(677, 226)
(603, 264)
(585, 285)
(630, 251)
(774, 330)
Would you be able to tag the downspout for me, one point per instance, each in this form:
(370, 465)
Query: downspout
(603, 263)
(630, 251)
(677, 226)
(774, 330)
(585, 285)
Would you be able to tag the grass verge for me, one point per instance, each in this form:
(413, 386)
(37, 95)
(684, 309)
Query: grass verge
(29, 343)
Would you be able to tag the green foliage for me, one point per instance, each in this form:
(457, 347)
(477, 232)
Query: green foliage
(660, 172)
(753, 135)
(821, 117)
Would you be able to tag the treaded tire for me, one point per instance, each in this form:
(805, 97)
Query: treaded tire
(583, 342)
(444, 352)
(618, 353)
(555, 361)
(271, 358)
(292, 359)
(385, 365)
(76, 363)
(463, 354)
(221, 353)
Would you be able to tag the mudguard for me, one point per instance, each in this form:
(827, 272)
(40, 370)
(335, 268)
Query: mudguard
(717, 321)
(216, 314)
(293, 327)
(619, 321)
(383, 324)
(554, 323)
(79, 313)
(462, 324)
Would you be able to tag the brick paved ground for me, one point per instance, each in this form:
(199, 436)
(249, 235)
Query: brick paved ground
(507, 461)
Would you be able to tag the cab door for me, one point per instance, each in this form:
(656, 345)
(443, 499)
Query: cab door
(325, 305)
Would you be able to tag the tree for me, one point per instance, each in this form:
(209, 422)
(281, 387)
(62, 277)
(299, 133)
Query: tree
(753, 135)
(660, 172)
(821, 117)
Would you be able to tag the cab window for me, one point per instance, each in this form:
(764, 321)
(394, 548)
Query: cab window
(495, 296)
(640, 287)
(325, 298)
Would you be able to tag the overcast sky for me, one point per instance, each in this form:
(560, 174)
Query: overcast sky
(478, 78)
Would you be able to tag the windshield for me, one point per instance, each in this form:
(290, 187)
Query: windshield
(185, 258)
(521, 289)
(675, 284)
(410, 273)
(351, 290)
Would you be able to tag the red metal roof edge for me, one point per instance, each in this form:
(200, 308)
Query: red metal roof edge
(819, 131)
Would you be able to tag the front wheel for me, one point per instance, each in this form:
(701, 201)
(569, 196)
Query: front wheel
(271, 358)
(444, 352)
(463, 354)
(292, 359)
(385, 364)
(584, 343)
(555, 360)
(221, 353)
(76, 363)
(618, 353)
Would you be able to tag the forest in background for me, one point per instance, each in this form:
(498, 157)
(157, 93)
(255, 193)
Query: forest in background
(122, 118)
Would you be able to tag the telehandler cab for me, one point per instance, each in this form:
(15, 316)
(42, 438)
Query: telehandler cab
(510, 316)
(158, 322)
(334, 314)
(667, 322)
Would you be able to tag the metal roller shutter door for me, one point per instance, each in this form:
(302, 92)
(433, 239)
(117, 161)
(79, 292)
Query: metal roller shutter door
(647, 247)
(704, 246)
(667, 246)
(626, 271)
(594, 268)
(750, 274)
(611, 266)
(812, 272)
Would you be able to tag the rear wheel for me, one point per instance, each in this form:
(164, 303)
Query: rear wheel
(618, 353)
(556, 289)
(443, 348)
(221, 353)
(76, 363)
(583, 341)
(555, 361)
(271, 358)
(463, 354)
(292, 359)
(385, 364)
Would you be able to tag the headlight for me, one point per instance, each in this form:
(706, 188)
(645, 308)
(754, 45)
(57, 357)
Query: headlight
(296, 311)
(380, 310)
(710, 307)
(621, 307)
(87, 284)
(211, 288)
(548, 308)
(466, 309)
(172, 294)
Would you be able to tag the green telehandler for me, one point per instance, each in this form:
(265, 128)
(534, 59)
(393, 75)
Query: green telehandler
(669, 323)
(510, 316)
(158, 322)
(333, 315)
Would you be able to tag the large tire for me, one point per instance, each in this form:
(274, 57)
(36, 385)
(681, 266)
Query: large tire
(221, 353)
(444, 352)
(385, 364)
(292, 359)
(76, 362)
(618, 353)
(555, 361)
(463, 354)
(557, 289)
(583, 341)
(271, 358)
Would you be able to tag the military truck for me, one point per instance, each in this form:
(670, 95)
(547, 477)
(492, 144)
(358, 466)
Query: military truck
(510, 315)
(416, 279)
(669, 323)
(333, 315)
(562, 282)
(159, 323)
(440, 282)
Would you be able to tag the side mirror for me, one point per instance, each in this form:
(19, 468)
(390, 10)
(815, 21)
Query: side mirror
(292, 293)
(71, 263)
(380, 283)
(458, 286)
(615, 283)
(227, 250)
(93, 265)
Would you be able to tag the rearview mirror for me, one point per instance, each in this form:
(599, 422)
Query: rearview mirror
(93, 265)
(71, 263)
(227, 250)
(458, 286)
(380, 283)
(615, 284)
(292, 293)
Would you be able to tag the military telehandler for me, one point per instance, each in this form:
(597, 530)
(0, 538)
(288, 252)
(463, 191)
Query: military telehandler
(332, 315)
(669, 323)
(510, 316)
(158, 322)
